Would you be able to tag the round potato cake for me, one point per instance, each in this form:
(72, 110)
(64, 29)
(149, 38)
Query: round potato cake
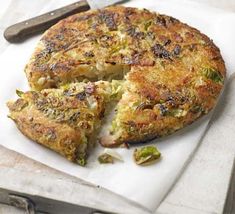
(172, 74)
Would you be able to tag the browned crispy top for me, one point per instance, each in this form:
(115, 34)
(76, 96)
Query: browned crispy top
(93, 43)
(172, 73)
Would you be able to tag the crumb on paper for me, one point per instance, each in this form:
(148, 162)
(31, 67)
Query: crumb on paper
(108, 156)
(146, 155)
(105, 159)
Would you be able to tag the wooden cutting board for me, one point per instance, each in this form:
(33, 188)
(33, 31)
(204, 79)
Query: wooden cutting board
(201, 189)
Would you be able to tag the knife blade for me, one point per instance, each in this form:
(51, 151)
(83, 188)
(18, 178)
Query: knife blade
(21, 31)
(97, 4)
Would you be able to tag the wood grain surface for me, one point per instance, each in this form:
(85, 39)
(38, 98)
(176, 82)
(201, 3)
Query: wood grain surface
(207, 175)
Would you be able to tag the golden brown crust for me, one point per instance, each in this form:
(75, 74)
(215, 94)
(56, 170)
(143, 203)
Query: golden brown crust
(58, 137)
(62, 119)
(175, 73)
(78, 45)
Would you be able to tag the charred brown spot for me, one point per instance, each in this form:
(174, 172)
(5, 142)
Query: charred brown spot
(111, 63)
(91, 38)
(81, 96)
(192, 47)
(160, 52)
(74, 116)
(106, 41)
(108, 19)
(131, 31)
(52, 44)
(135, 32)
(50, 47)
(160, 20)
(89, 54)
(173, 20)
(127, 14)
(177, 50)
(129, 11)
(163, 110)
(166, 42)
(60, 36)
(144, 106)
(137, 58)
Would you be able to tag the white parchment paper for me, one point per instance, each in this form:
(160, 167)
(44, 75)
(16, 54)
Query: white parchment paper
(145, 185)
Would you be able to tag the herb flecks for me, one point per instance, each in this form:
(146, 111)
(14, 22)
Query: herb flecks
(19, 93)
(213, 75)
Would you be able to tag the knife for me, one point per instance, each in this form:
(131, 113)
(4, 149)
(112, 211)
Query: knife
(23, 30)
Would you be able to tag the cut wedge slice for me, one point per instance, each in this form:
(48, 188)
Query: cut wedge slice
(64, 120)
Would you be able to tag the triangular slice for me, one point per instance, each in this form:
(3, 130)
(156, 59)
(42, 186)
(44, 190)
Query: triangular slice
(64, 120)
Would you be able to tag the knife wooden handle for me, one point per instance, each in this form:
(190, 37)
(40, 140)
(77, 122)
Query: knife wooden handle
(22, 30)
